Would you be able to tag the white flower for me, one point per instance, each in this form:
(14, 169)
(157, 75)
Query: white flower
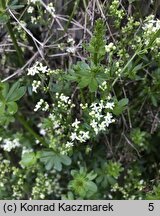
(73, 136)
(71, 41)
(69, 144)
(93, 123)
(85, 135)
(98, 116)
(9, 144)
(41, 104)
(110, 47)
(42, 68)
(42, 132)
(38, 105)
(75, 124)
(33, 20)
(64, 98)
(45, 107)
(95, 107)
(30, 9)
(26, 150)
(71, 49)
(109, 105)
(108, 119)
(35, 85)
(32, 71)
(51, 9)
(37, 68)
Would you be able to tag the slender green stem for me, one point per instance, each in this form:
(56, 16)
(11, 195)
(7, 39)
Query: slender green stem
(30, 130)
(12, 35)
(16, 46)
(82, 96)
(72, 14)
(85, 4)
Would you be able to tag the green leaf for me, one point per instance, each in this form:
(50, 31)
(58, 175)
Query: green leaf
(120, 106)
(12, 107)
(57, 163)
(154, 100)
(52, 159)
(5, 89)
(15, 93)
(123, 102)
(14, 87)
(93, 85)
(28, 159)
(2, 108)
(65, 160)
(92, 188)
(84, 82)
(91, 175)
(4, 18)
(14, 7)
(47, 157)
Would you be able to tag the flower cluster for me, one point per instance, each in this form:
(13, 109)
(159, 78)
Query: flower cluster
(150, 27)
(18, 188)
(5, 169)
(116, 12)
(100, 117)
(35, 85)
(9, 144)
(99, 121)
(110, 47)
(71, 48)
(37, 68)
(46, 185)
(30, 9)
(43, 105)
(51, 9)
(81, 136)
(64, 102)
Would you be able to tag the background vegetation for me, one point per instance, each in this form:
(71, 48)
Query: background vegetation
(79, 99)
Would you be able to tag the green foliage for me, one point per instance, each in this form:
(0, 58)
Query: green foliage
(120, 106)
(8, 98)
(155, 194)
(82, 183)
(28, 159)
(108, 173)
(89, 125)
(92, 75)
(51, 159)
(97, 44)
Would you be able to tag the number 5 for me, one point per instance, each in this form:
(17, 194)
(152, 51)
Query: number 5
(151, 206)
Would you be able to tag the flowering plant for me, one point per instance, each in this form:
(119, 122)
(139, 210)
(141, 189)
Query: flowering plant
(82, 121)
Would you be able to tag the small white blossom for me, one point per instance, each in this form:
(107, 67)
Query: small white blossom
(42, 132)
(35, 85)
(109, 105)
(110, 47)
(69, 144)
(30, 9)
(9, 144)
(41, 105)
(51, 9)
(71, 49)
(75, 124)
(73, 136)
(71, 41)
(108, 119)
(37, 68)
